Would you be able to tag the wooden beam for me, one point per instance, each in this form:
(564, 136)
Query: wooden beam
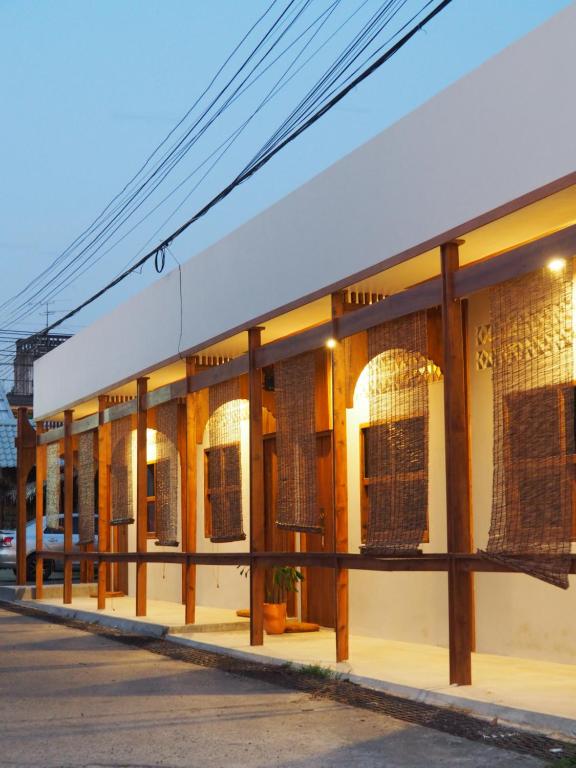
(114, 412)
(460, 582)
(87, 424)
(68, 505)
(191, 498)
(257, 512)
(40, 479)
(141, 493)
(219, 373)
(472, 278)
(51, 436)
(308, 340)
(339, 454)
(103, 501)
(435, 562)
(423, 296)
(515, 262)
(25, 457)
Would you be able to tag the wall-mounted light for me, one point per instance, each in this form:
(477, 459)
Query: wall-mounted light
(556, 264)
(331, 343)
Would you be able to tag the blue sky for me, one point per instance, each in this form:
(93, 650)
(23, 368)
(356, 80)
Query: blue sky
(90, 87)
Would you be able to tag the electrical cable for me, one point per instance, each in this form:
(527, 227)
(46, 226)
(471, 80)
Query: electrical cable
(264, 156)
(254, 167)
(231, 80)
(69, 279)
(222, 149)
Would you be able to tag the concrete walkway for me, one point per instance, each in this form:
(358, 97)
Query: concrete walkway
(71, 698)
(537, 694)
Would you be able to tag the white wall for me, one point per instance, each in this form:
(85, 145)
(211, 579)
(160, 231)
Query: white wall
(216, 586)
(412, 607)
(502, 131)
(516, 615)
(224, 586)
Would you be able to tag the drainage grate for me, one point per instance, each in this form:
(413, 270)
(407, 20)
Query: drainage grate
(322, 683)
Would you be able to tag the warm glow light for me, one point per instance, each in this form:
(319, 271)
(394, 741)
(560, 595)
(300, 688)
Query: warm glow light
(150, 446)
(331, 343)
(556, 265)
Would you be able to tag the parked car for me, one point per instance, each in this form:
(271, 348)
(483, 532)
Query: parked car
(53, 540)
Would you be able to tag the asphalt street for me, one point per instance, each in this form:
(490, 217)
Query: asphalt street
(72, 698)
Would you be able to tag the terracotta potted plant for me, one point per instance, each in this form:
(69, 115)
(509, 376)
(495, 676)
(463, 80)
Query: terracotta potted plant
(284, 580)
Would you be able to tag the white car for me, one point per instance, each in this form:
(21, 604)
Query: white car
(53, 541)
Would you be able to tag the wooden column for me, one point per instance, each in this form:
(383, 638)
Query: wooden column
(40, 478)
(68, 505)
(339, 457)
(182, 454)
(460, 583)
(257, 522)
(141, 493)
(25, 457)
(103, 501)
(191, 497)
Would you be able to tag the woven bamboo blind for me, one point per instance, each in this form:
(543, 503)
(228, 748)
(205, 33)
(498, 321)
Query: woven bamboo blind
(53, 486)
(224, 464)
(533, 411)
(121, 494)
(396, 442)
(86, 494)
(167, 474)
(294, 383)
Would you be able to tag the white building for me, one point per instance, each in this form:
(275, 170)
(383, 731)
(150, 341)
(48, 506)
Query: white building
(491, 161)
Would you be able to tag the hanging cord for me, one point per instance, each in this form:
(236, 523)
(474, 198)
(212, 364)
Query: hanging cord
(160, 259)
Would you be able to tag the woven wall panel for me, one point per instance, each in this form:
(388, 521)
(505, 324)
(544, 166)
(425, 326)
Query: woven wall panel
(86, 493)
(167, 474)
(297, 506)
(53, 486)
(224, 464)
(533, 407)
(121, 494)
(396, 442)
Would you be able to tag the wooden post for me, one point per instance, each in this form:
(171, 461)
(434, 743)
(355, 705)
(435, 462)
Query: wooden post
(183, 464)
(339, 457)
(141, 493)
(25, 457)
(257, 522)
(40, 478)
(460, 582)
(191, 492)
(103, 500)
(68, 504)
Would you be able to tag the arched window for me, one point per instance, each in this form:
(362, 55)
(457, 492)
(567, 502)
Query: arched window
(223, 520)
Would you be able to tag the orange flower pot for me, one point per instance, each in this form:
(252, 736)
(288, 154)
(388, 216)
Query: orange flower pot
(274, 618)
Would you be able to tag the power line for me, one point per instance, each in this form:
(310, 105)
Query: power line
(222, 148)
(219, 152)
(176, 153)
(60, 282)
(261, 160)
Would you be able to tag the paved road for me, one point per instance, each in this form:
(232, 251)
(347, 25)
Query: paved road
(70, 698)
